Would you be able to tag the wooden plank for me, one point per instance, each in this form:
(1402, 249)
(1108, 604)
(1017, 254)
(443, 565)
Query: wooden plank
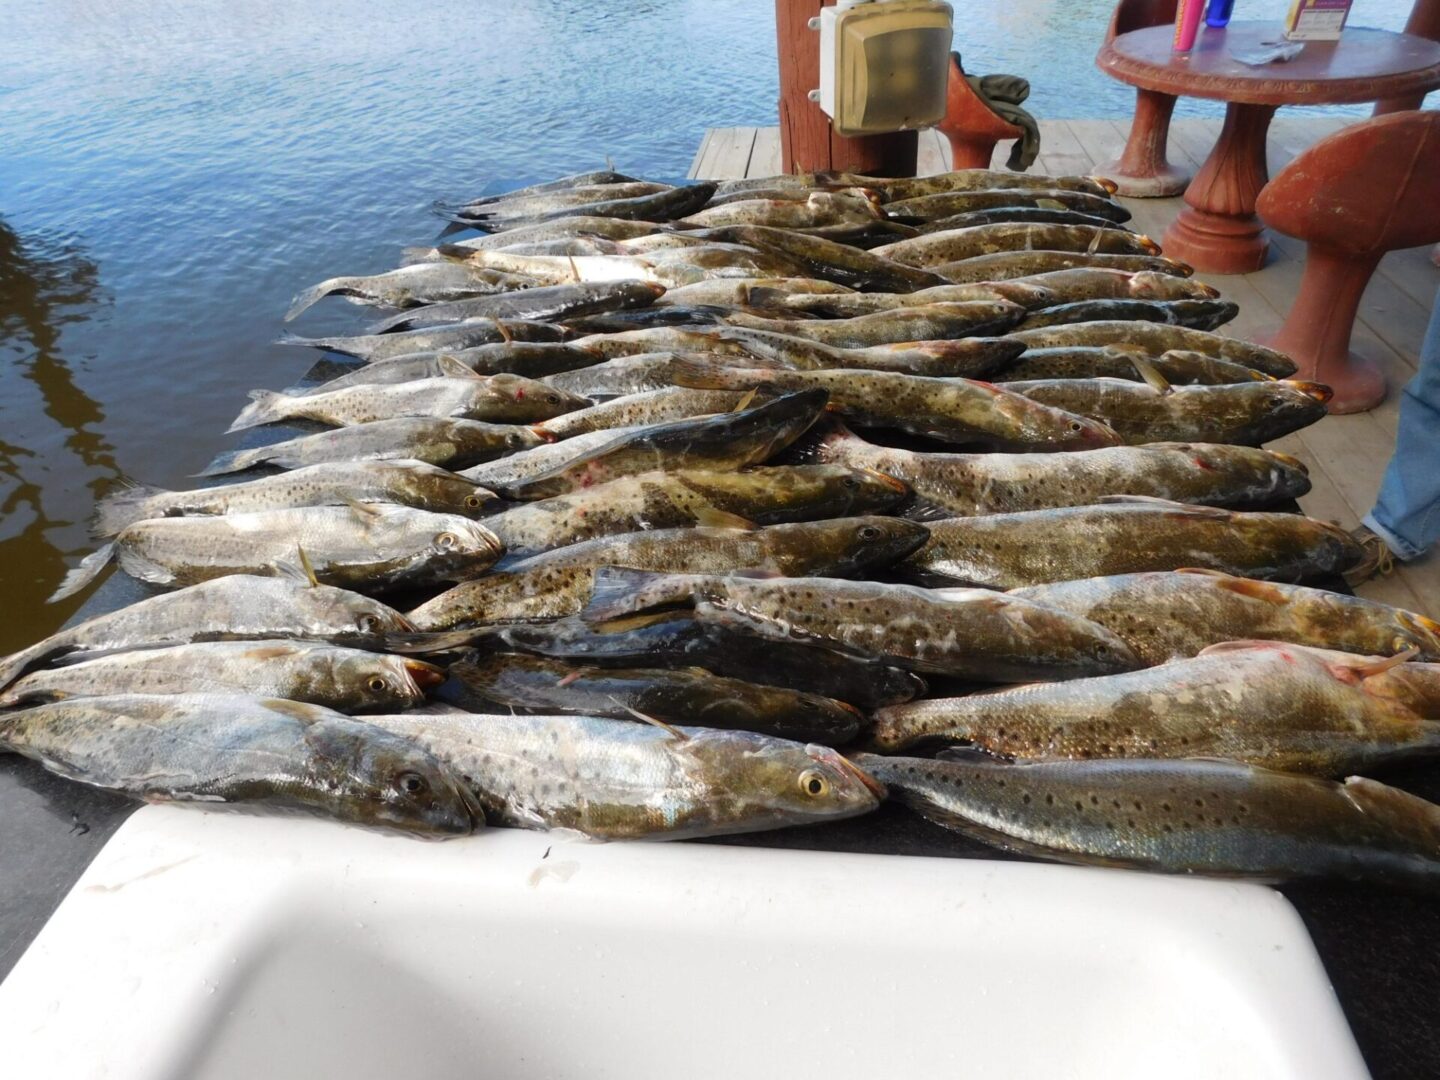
(1413, 272)
(700, 154)
(765, 156)
(732, 154)
(932, 155)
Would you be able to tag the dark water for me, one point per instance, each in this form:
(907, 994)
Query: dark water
(171, 173)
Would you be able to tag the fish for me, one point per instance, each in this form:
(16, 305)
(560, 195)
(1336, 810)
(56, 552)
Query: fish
(645, 318)
(666, 205)
(1164, 615)
(1159, 338)
(580, 225)
(542, 457)
(619, 779)
(816, 209)
(1247, 414)
(1180, 367)
(640, 373)
(668, 267)
(674, 639)
(952, 410)
(730, 292)
(670, 695)
(241, 607)
(1101, 283)
(732, 440)
(372, 546)
(553, 302)
(944, 204)
(912, 187)
(557, 583)
(1025, 214)
(563, 183)
(514, 205)
(372, 347)
(929, 322)
(1006, 265)
(679, 498)
(222, 748)
(961, 633)
(348, 680)
(1199, 314)
(1234, 476)
(815, 256)
(1280, 706)
(410, 286)
(850, 304)
(932, 250)
(434, 440)
(668, 403)
(408, 483)
(533, 360)
(458, 394)
(1209, 817)
(1127, 534)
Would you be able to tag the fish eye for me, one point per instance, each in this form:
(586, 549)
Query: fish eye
(412, 783)
(446, 541)
(850, 482)
(808, 705)
(376, 683)
(867, 532)
(512, 439)
(1075, 425)
(369, 623)
(553, 399)
(1102, 650)
(814, 784)
(472, 501)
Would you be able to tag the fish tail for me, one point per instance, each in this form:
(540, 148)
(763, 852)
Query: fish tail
(296, 339)
(233, 461)
(88, 570)
(123, 507)
(266, 406)
(699, 373)
(18, 663)
(411, 255)
(309, 296)
(619, 592)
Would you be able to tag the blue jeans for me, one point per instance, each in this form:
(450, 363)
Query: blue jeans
(1407, 511)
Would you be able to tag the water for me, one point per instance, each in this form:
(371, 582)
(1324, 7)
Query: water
(171, 173)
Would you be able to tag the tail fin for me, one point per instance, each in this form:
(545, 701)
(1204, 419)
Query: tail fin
(266, 406)
(123, 507)
(309, 296)
(706, 374)
(17, 664)
(411, 255)
(296, 339)
(233, 461)
(618, 592)
(88, 570)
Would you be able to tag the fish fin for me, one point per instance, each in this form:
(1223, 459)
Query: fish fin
(455, 252)
(746, 401)
(233, 461)
(625, 623)
(1359, 668)
(711, 518)
(309, 296)
(364, 511)
(643, 718)
(504, 331)
(299, 571)
(1150, 373)
(1184, 509)
(973, 753)
(306, 566)
(88, 570)
(1396, 808)
(1243, 645)
(264, 408)
(421, 642)
(1248, 587)
(618, 591)
(923, 510)
(450, 367)
(123, 507)
(411, 255)
(709, 375)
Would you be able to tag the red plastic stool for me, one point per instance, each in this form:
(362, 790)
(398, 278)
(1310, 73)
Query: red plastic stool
(1142, 170)
(1366, 190)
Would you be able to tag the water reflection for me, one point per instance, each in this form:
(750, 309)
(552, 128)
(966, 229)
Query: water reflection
(45, 417)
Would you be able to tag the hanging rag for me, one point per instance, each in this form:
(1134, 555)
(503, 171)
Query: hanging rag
(1003, 94)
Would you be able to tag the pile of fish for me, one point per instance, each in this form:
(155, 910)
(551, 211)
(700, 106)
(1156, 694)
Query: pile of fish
(642, 502)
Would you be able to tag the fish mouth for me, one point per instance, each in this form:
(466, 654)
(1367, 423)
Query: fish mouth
(540, 432)
(875, 787)
(1104, 181)
(404, 625)
(1149, 245)
(1208, 291)
(1421, 624)
(424, 675)
(1184, 269)
(491, 541)
(898, 486)
(1314, 390)
(1291, 460)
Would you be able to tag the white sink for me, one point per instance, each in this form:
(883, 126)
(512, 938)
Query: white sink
(204, 945)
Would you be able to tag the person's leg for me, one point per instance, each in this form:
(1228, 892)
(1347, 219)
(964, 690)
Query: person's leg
(1406, 514)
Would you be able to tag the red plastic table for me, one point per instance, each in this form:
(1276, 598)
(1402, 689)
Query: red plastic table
(1218, 232)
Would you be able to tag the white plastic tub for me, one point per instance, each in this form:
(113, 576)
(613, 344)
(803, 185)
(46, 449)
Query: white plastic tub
(203, 945)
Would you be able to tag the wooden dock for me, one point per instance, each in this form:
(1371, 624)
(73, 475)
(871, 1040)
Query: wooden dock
(1346, 455)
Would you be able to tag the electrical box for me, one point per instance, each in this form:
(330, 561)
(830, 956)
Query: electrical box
(884, 64)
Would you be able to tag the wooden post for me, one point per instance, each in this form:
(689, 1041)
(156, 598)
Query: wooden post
(807, 144)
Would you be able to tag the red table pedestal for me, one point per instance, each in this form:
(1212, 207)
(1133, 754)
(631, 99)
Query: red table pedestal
(1142, 171)
(1219, 233)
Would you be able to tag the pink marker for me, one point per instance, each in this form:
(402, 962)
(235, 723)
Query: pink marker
(1187, 23)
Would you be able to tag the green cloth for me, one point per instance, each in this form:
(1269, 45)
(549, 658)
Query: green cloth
(1003, 94)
